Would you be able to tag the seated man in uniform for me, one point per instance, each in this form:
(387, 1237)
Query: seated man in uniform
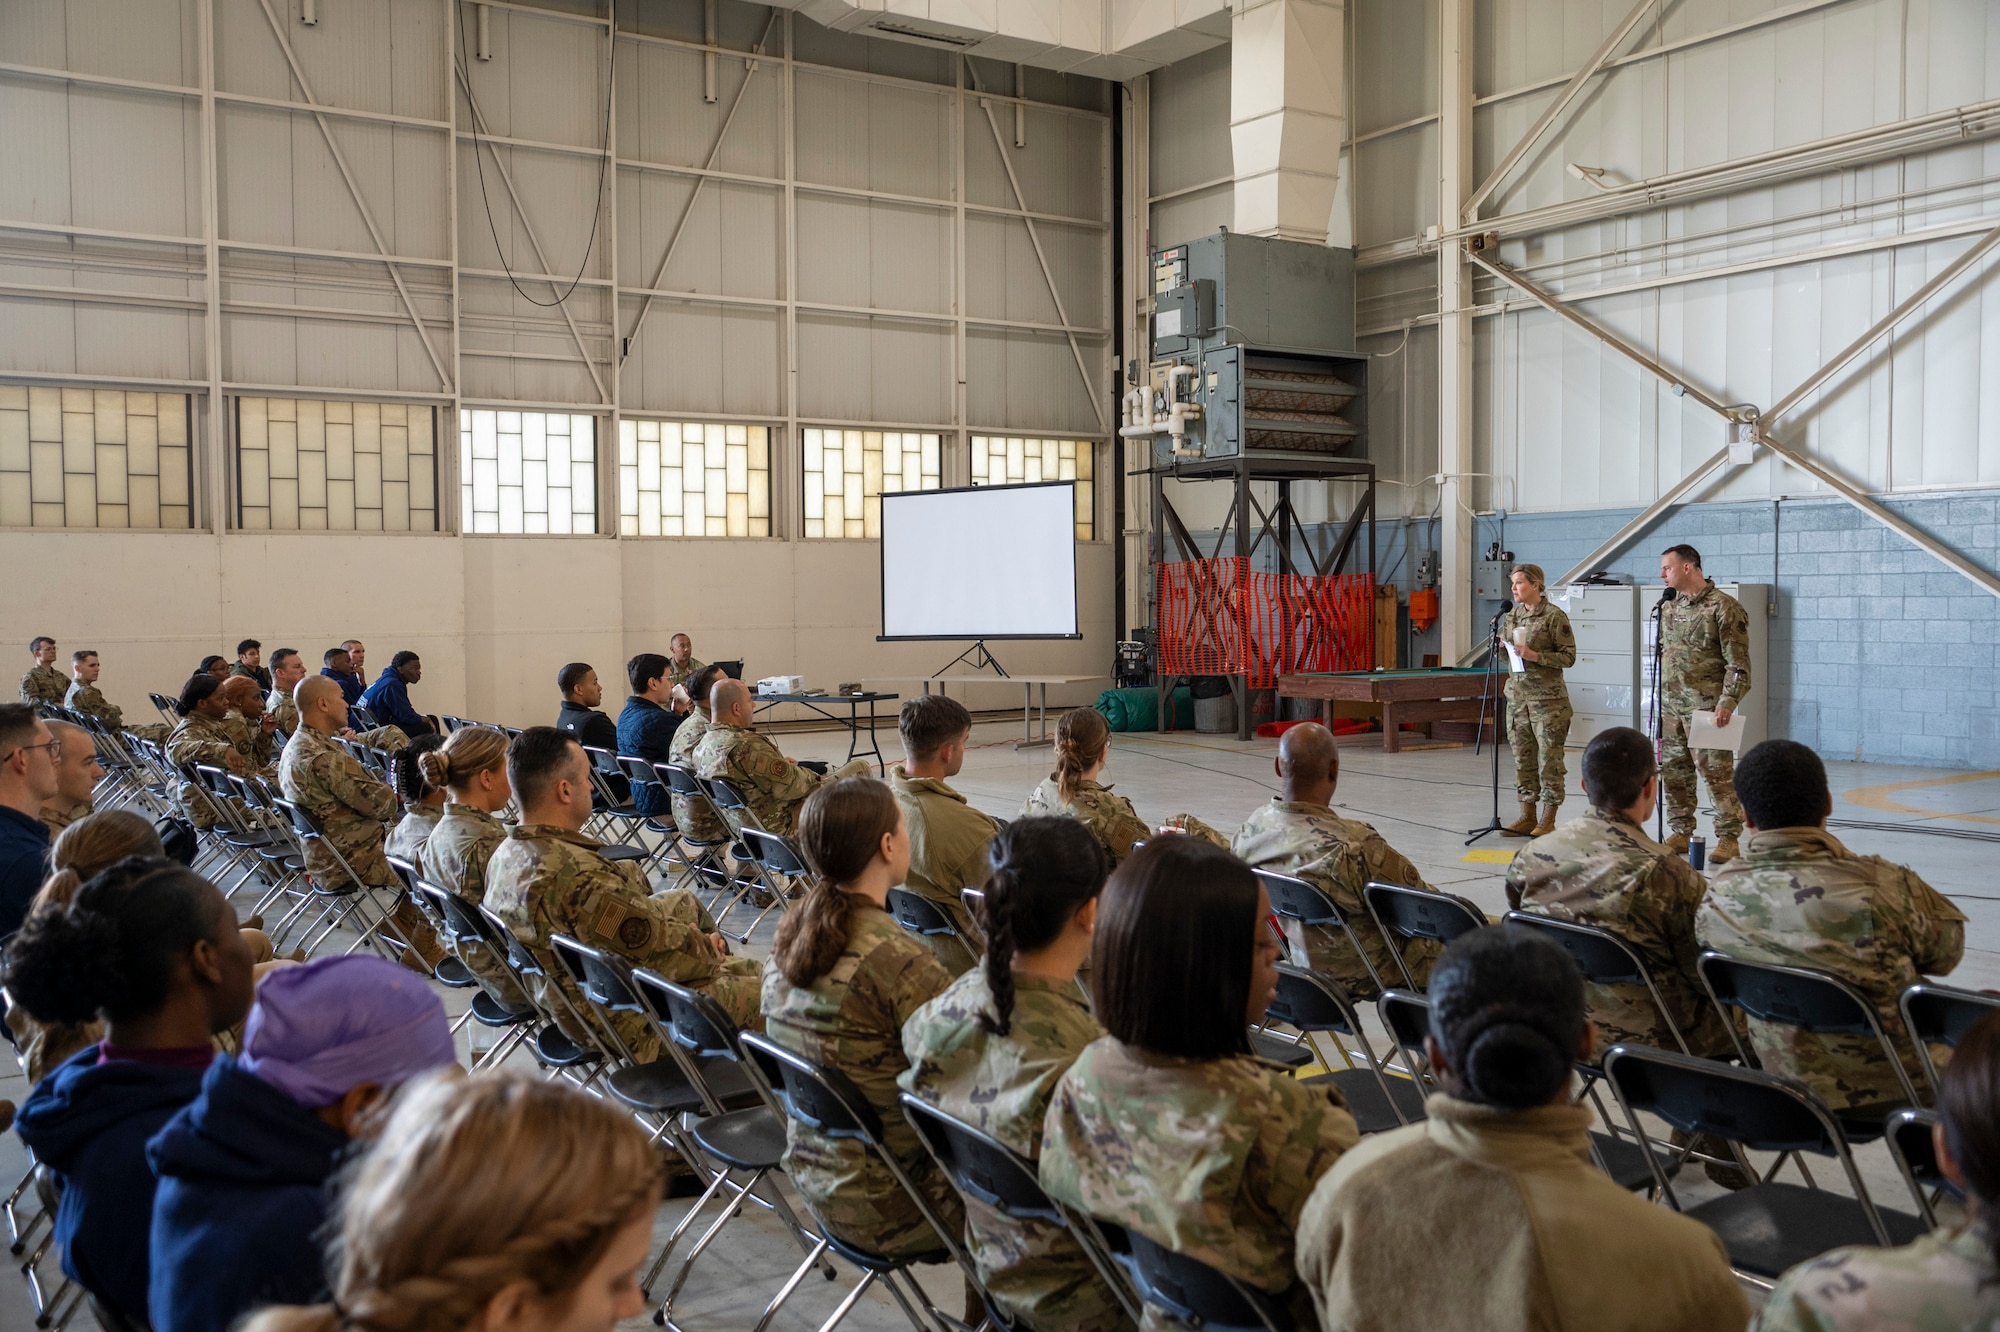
(1603, 870)
(692, 816)
(1297, 833)
(548, 878)
(43, 683)
(948, 838)
(253, 729)
(581, 693)
(85, 697)
(77, 775)
(1796, 897)
(287, 669)
(681, 669)
(771, 784)
(352, 806)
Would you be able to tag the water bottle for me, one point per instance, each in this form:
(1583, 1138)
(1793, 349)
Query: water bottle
(1698, 852)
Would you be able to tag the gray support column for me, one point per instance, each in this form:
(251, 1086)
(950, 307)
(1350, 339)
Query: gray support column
(1455, 31)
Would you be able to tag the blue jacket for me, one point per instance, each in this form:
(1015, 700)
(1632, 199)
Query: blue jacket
(389, 699)
(242, 1196)
(646, 730)
(24, 863)
(88, 1123)
(350, 684)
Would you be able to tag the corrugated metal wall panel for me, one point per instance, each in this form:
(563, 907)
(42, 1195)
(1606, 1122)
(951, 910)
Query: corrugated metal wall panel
(873, 136)
(153, 40)
(697, 358)
(872, 253)
(1023, 380)
(860, 369)
(732, 244)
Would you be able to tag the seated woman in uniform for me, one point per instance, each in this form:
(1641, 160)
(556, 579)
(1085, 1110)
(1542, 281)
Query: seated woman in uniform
(1499, 1179)
(423, 803)
(471, 769)
(989, 1050)
(430, 1235)
(1183, 961)
(1083, 744)
(1950, 1278)
(842, 980)
(152, 948)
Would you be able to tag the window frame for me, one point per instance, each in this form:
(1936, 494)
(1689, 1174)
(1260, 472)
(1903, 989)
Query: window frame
(194, 504)
(946, 436)
(462, 462)
(233, 443)
(774, 433)
(1098, 452)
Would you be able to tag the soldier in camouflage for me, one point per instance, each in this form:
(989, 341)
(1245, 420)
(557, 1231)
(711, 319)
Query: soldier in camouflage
(205, 737)
(1297, 833)
(252, 728)
(771, 784)
(1169, 1125)
(1083, 745)
(1603, 870)
(681, 670)
(948, 837)
(1798, 898)
(350, 804)
(1704, 664)
(549, 878)
(77, 775)
(43, 684)
(85, 697)
(1538, 712)
(472, 767)
(694, 817)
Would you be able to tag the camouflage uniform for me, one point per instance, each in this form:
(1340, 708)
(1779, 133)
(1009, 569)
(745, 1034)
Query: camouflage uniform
(771, 784)
(546, 880)
(351, 804)
(1798, 898)
(1212, 1159)
(1704, 664)
(198, 741)
(1603, 870)
(1033, 1269)
(1110, 818)
(252, 741)
(279, 704)
(693, 817)
(90, 701)
(1340, 857)
(44, 684)
(407, 839)
(1538, 712)
(948, 841)
(852, 1019)
(454, 858)
(57, 817)
(1944, 1282)
(678, 676)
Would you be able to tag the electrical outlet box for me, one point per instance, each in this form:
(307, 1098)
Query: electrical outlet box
(1490, 580)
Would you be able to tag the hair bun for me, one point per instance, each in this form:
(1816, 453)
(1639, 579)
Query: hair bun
(435, 765)
(1514, 1064)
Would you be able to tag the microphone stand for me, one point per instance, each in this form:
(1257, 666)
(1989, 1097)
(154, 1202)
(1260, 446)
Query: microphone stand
(1486, 697)
(1657, 720)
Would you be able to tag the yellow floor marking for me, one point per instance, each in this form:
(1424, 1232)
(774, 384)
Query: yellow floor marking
(1878, 797)
(1482, 856)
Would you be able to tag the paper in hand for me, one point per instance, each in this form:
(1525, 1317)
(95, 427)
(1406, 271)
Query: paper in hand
(1703, 733)
(1514, 663)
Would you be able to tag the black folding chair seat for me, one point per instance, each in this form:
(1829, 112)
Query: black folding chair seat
(1941, 1015)
(1770, 1228)
(557, 1050)
(453, 973)
(490, 1012)
(1190, 1290)
(1314, 1003)
(749, 1139)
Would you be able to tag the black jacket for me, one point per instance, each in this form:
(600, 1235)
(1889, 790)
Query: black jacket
(596, 731)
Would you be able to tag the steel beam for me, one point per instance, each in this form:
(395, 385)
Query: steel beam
(1571, 90)
(1455, 297)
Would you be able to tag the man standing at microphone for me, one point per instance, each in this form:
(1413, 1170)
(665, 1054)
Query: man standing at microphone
(1704, 664)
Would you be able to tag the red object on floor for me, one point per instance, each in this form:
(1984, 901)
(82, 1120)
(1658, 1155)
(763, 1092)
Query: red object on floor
(1341, 726)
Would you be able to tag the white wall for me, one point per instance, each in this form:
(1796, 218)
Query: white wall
(857, 253)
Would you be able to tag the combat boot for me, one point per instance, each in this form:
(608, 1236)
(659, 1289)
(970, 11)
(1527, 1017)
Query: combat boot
(1523, 826)
(1548, 823)
(1677, 843)
(1725, 849)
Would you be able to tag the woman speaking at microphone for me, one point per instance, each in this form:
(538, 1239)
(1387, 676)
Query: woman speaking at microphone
(1538, 713)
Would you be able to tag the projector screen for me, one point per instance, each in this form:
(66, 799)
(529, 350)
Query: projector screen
(983, 562)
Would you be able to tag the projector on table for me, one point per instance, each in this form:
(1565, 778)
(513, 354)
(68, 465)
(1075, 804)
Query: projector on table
(782, 684)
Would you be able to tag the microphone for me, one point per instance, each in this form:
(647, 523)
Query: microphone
(1667, 596)
(1505, 606)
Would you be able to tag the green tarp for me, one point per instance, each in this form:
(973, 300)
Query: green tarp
(1139, 709)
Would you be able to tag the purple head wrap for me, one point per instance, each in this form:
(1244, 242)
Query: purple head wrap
(321, 1029)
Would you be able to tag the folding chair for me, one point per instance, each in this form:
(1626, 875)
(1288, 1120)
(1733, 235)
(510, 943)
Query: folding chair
(920, 916)
(1767, 1227)
(1293, 898)
(638, 772)
(462, 927)
(452, 725)
(1315, 1004)
(985, 1170)
(705, 863)
(167, 707)
(825, 1101)
(558, 1054)
(749, 1138)
(351, 899)
(1403, 914)
(360, 718)
(736, 814)
(1812, 1001)
(613, 815)
(1189, 1290)
(1914, 1151)
(246, 842)
(1941, 1015)
(782, 866)
(449, 972)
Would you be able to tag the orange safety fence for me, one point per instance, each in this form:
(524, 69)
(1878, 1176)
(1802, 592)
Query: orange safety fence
(1217, 617)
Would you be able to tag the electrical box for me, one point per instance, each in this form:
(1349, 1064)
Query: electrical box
(1490, 580)
(1182, 317)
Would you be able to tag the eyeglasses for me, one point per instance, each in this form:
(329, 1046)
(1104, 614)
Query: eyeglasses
(54, 747)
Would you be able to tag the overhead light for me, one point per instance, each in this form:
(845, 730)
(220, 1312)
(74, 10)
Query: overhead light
(894, 28)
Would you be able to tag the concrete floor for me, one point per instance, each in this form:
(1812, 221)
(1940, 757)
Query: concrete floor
(1422, 801)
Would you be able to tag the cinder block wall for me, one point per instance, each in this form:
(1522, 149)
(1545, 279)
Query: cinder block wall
(1878, 652)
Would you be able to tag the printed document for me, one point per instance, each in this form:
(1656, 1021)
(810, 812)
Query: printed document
(1703, 733)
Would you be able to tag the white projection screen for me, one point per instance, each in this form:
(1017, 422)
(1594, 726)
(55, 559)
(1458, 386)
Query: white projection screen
(982, 562)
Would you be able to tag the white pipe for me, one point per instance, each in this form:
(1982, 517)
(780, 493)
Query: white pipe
(309, 13)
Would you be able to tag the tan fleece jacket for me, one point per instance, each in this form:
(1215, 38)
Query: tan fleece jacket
(1484, 1220)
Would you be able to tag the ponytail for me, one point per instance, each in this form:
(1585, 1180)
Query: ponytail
(841, 827)
(1042, 871)
(1081, 736)
(408, 766)
(470, 751)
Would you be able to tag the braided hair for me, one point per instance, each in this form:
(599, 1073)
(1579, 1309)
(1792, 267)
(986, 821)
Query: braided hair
(1081, 737)
(1041, 871)
(430, 1230)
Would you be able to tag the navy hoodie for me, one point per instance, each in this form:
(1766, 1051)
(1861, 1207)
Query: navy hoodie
(88, 1123)
(242, 1173)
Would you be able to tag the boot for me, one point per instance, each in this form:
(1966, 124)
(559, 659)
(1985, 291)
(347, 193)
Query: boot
(1677, 843)
(1525, 825)
(1725, 849)
(1548, 823)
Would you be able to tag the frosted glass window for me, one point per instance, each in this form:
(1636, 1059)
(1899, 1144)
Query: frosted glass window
(684, 478)
(847, 472)
(308, 465)
(528, 471)
(1005, 459)
(94, 458)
